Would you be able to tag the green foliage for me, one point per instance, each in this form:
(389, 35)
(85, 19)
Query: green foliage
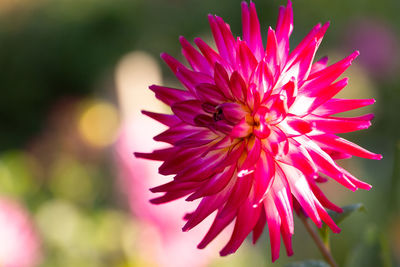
(338, 218)
(309, 263)
(347, 211)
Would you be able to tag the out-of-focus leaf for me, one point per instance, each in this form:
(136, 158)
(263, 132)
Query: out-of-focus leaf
(308, 263)
(347, 210)
(338, 218)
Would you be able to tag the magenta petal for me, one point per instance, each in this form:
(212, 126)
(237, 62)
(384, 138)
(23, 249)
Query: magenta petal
(327, 93)
(207, 206)
(238, 86)
(322, 198)
(302, 192)
(264, 78)
(218, 182)
(221, 79)
(175, 186)
(263, 176)
(301, 66)
(246, 61)
(195, 59)
(161, 154)
(259, 227)
(166, 119)
(251, 30)
(283, 199)
(172, 63)
(170, 95)
(239, 194)
(170, 196)
(223, 38)
(332, 72)
(343, 145)
(246, 219)
(354, 180)
(319, 65)
(242, 129)
(187, 110)
(253, 153)
(334, 106)
(338, 125)
(232, 112)
(209, 93)
(210, 54)
(274, 225)
(219, 224)
(284, 28)
(190, 79)
(272, 57)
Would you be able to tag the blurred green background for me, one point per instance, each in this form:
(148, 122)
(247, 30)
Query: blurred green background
(60, 114)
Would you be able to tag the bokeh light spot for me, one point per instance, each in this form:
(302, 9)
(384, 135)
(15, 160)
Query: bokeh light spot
(98, 124)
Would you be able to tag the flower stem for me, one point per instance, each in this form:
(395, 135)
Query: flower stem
(318, 241)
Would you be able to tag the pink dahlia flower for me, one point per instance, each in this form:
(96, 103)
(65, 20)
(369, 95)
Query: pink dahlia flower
(254, 130)
(19, 243)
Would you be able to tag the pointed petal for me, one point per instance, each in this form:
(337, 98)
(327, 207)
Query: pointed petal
(166, 119)
(195, 59)
(170, 95)
(336, 143)
(251, 30)
(334, 106)
(246, 220)
(274, 225)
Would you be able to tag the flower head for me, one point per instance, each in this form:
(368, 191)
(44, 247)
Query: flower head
(253, 132)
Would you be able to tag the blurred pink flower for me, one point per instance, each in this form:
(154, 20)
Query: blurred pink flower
(378, 44)
(169, 246)
(19, 243)
(253, 131)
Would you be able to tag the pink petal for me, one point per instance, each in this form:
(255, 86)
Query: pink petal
(334, 106)
(246, 219)
(187, 110)
(319, 65)
(166, 119)
(219, 224)
(210, 54)
(345, 146)
(207, 206)
(246, 62)
(251, 30)
(223, 38)
(209, 93)
(272, 57)
(170, 95)
(263, 176)
(338, 125)
(195, 59)
(238, 86)
(284, 28)
(172, 63)
(221, 79)
(191, 79)
(218, 182)
(274, 225)
(238, 195)
(302, 192)
(259, 227)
